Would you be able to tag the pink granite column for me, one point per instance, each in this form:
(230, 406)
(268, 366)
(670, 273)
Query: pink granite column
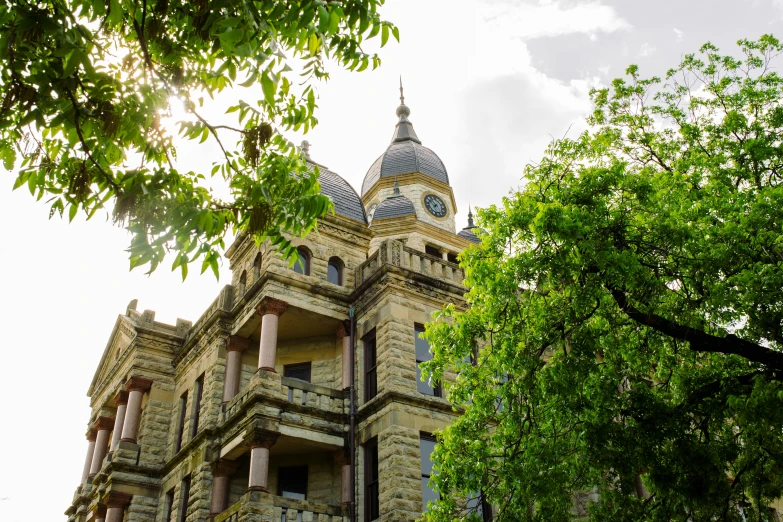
(235, 346)
(136, 387)
(120, 402)
(221, 477)
(270, 310)
(342, 333)
(99, 513)
(259, 461)
(115, 505)
(341, 460)
(102, 428)
(90, 452)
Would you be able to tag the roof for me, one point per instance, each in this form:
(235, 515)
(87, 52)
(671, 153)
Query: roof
(468, 234)
(347, 202)
(405, 154)
(396, 206)
(405, 157)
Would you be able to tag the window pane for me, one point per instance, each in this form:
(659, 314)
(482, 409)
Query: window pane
(427, 494)
(292, 482)
(333, 273)
(422, 346)
(298, 371)
(299, 266)
(431, 250)
(426, 449)
(423, 386)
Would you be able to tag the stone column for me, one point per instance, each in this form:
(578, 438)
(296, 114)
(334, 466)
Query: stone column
(342, 333)
(235, 345)
(259, 460)
(221, 478)
(102, 428)
(120, 402)
(136, 387)
(341, 460)
(115, 505)
(90, 451)
(270, 310)
(99, 513)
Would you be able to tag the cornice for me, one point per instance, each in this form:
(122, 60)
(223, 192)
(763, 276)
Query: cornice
(414, 178)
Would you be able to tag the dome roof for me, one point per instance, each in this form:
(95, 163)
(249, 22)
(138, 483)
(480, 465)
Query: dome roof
(405, 154)
(394, 207)
(347, 202)
(469, 235)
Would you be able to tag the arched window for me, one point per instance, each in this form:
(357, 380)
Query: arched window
(302, 265)
(257, 267)
(334, 273)
(242, 283)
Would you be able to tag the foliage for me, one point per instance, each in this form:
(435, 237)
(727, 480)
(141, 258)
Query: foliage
(628, 305)
(86, 86)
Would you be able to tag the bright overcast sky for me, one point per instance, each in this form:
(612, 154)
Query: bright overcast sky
(488, 83)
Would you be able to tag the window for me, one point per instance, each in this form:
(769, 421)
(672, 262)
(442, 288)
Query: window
(452, 258)
(370, 367)
(197, 393)
(183, 403)
(242, 283)
(169, 505)
(334, 272)
(426, 447)
(301, 371)
(423, 355)
(257, 266)
(371, 504)
(302, 265)
(433, 251)
(185, 494)
(292, 482)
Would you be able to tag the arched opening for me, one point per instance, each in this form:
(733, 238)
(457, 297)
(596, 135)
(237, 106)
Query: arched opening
(302, 265)
(334, 273)
(257, 267)
(242, 283)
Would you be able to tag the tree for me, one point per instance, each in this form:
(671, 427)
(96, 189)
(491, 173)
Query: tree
(86, 87)
(626, 308)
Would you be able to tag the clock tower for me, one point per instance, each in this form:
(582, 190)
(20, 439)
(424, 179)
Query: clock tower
(406, 191)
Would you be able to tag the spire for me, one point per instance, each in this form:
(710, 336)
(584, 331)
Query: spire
(404, 129)
(470, 218)
(396, 188)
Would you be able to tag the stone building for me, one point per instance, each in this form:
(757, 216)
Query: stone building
(246, 414)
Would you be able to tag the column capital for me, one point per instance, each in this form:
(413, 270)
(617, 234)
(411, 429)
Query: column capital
(99, 511)
(103, 423)
(270, 305)
(115, 499)
(91, 434)
(260, 438)
(121, 398)
(223, 468)
(343, 330)
(136, 383)
(235, 343)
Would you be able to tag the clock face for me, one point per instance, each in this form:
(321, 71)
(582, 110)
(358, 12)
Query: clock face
(435, 205)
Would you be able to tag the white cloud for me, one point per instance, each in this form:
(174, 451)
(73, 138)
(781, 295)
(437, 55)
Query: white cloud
(679, 34)
(646, 49)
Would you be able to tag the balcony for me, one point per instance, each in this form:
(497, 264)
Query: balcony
(257, 505)
(395, 253)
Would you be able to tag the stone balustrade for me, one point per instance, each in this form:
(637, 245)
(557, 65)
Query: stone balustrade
(306, 394)
(224, 301)
(395, 253)
(258, 505)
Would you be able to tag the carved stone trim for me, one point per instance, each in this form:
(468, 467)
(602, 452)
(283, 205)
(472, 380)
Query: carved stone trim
(99, 511)
(223, 468)
(141, 384)
(115, 499)
(121, 398)
(91, 435)
(272, 306)
(235, 343)
(343, 330)
(104, 423)
(259, 438)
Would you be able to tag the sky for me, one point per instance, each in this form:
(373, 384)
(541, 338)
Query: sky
(489, 83)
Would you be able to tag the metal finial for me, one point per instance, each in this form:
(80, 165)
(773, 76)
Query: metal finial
(402, 96)
(306, 148)
(470, 218)
(396, 188)
(402, 111)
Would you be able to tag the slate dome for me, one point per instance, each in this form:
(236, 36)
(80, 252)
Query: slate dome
(347, 202)
(405, 155)
(394, 207)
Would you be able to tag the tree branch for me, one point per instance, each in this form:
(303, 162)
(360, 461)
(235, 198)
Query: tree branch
(698, 340)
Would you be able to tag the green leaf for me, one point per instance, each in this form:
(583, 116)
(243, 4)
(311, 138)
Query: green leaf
(384, 35)
(269, 88)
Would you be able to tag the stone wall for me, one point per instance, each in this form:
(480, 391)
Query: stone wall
(399, 474)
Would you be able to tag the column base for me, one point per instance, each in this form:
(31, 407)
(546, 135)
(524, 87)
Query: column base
(258, 488)
(267, 369)
(132, 441)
